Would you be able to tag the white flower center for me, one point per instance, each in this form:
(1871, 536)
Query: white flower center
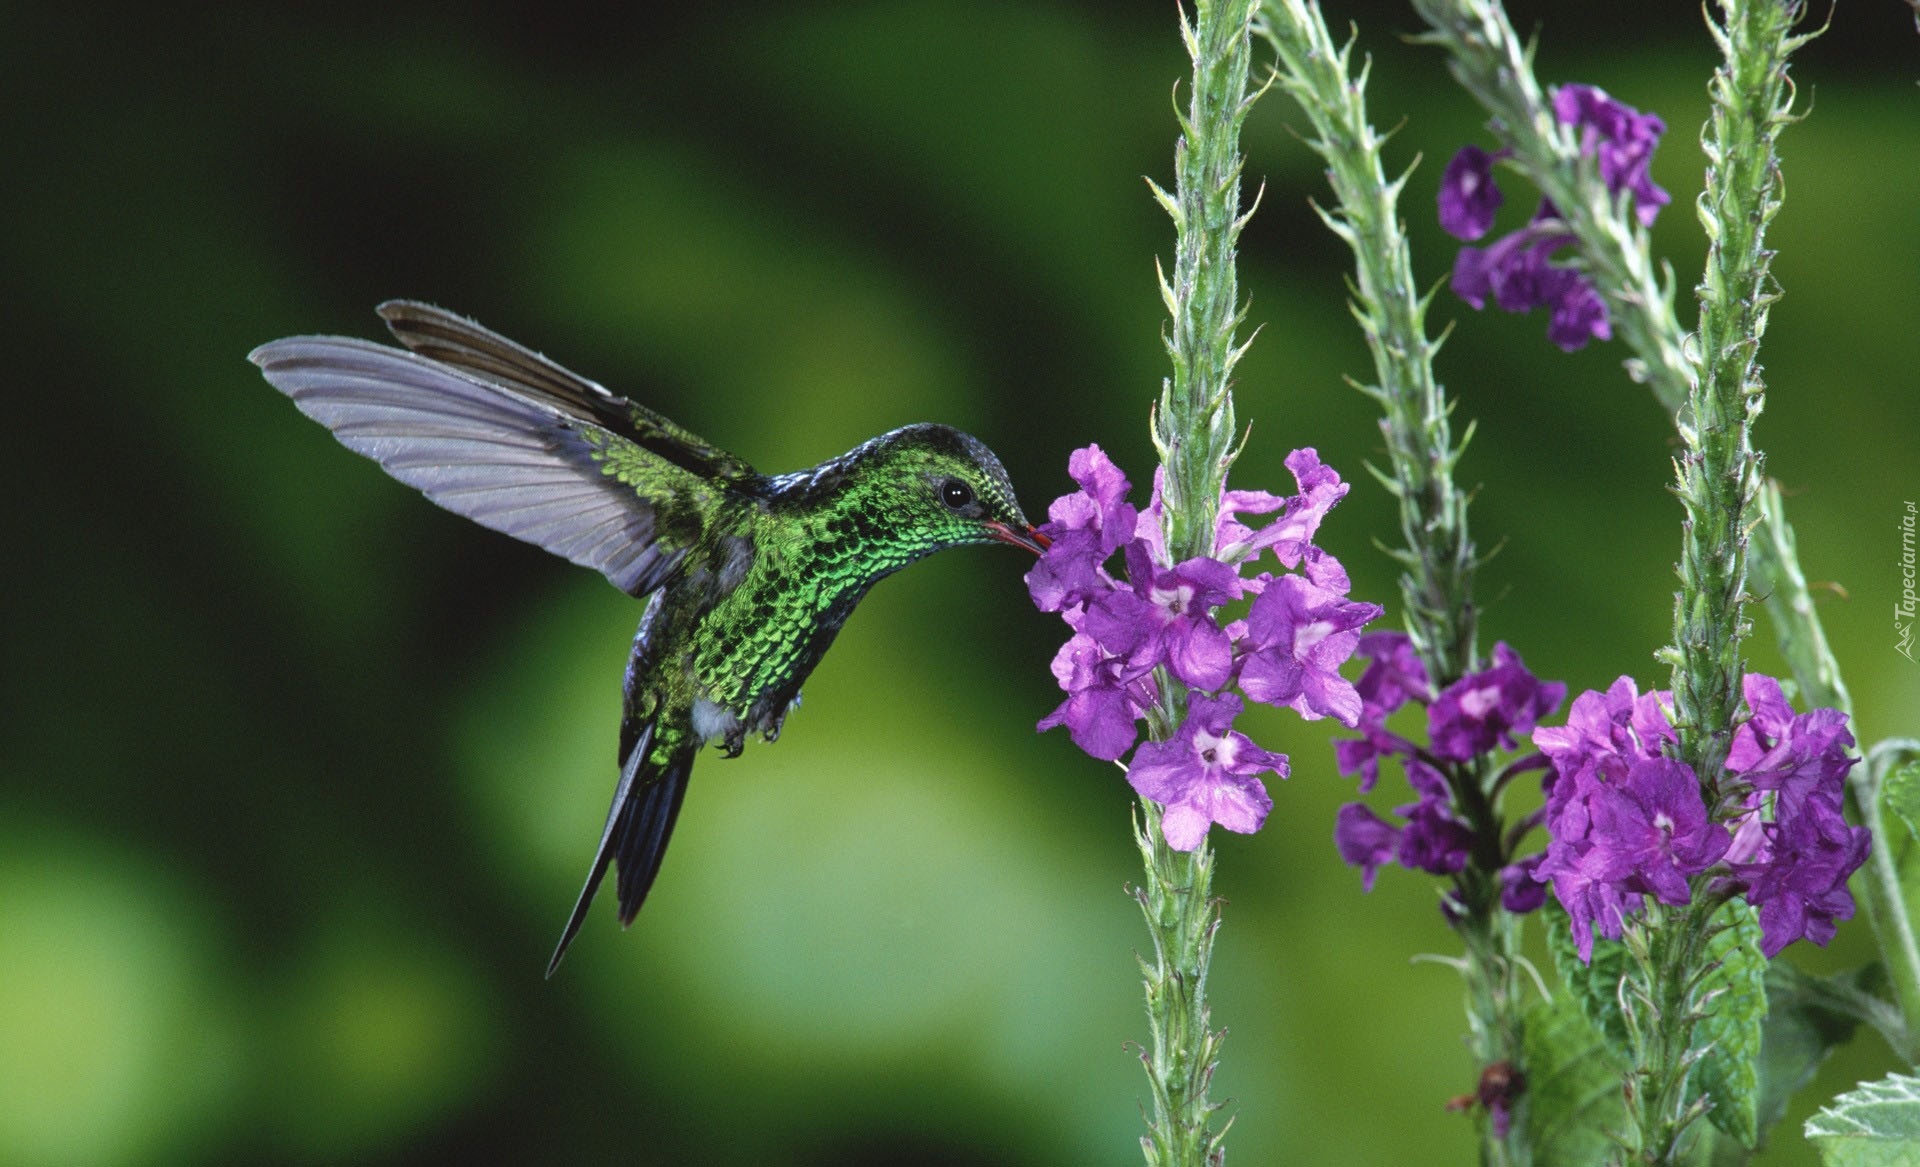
(1308, 635)
(1477, 703)
(1214, 751)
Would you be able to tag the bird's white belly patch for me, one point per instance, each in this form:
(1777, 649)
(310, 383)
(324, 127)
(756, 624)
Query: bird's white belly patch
(712, 721)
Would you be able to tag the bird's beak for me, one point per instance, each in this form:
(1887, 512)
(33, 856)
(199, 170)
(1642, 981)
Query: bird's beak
(1030, 538)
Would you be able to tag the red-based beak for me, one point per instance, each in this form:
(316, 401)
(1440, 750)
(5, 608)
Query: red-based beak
(1030, 539)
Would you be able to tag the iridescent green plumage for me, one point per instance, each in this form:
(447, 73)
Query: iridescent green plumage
(748, 576)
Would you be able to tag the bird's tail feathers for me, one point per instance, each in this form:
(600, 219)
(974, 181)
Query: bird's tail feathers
(653, 783)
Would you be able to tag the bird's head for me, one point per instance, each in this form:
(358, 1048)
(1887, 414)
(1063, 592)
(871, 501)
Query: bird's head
(925, 487)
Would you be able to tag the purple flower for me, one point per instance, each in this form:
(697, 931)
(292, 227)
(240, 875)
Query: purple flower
(1291, 535)
(1159, 614)
(1435, 840)
(1365, 840)
(1517, 271)
(1799, 884)
(1233, 540)
(1472, 718)
(1394, 674)
(1798, 755)
(1298, 634)
(1603, 732)
(1793, 865)
(1578, 314)
(1085, 527)
(1468, 195)
(1164, 618)
(1362, 755)
(1621, 138)
(1205, 774)
(1482, 709)
(1593, 898)
(1105, 695)
(1521, 891)
(1518, 275)
(1628, 820)
(1624, 819)
(1655, 828)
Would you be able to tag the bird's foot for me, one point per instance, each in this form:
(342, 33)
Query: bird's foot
(772, 732)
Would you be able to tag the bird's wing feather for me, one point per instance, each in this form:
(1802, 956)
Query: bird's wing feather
(518, 460)
(455, 340)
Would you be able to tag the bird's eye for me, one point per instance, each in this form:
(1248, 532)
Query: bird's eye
(955, 493)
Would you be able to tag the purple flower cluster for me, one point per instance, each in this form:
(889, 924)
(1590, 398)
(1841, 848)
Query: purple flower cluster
(1517, 272)
(1482, 712)
(1627, 820)
(1158, 614)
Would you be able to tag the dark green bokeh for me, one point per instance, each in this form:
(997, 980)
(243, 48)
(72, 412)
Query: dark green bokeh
(298, 775)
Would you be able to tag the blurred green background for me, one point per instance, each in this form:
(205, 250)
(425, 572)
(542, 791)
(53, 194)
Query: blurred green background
(299, 775)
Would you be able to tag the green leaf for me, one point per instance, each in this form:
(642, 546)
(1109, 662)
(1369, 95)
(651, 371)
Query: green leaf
(1573, 1087)
(1731, 1029)
(1596, 986)
(1807, 1018)
(1900, 793)
(1875, 1125)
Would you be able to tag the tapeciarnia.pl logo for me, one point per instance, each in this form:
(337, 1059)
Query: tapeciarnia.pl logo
(1904, 609)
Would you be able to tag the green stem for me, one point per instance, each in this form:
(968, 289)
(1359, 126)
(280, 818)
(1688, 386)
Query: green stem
(1719, 471)
(1774, 558)
(1193, 429)
(1194, 426)
(1879, 887)
(1719, 484)
(1670, 958)
(1182, 917)
(1437, 555)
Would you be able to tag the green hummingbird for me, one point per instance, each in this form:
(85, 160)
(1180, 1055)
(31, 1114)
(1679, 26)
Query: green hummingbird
(747, 577)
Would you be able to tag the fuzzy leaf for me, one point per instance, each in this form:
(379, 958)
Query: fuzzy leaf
(1874, 1125)
(1900, 793)
(1731, 1031)
(1595, 986)
(1573, 1086)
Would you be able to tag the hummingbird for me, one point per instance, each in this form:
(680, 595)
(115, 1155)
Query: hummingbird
(747, 577)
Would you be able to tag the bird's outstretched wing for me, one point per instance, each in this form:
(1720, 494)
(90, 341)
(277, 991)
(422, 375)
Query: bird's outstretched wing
(513, 441)
(442, 336)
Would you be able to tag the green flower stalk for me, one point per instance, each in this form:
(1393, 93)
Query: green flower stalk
(1437, 556)
(1719, 471)
(1193, 429)
(1194, 426)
